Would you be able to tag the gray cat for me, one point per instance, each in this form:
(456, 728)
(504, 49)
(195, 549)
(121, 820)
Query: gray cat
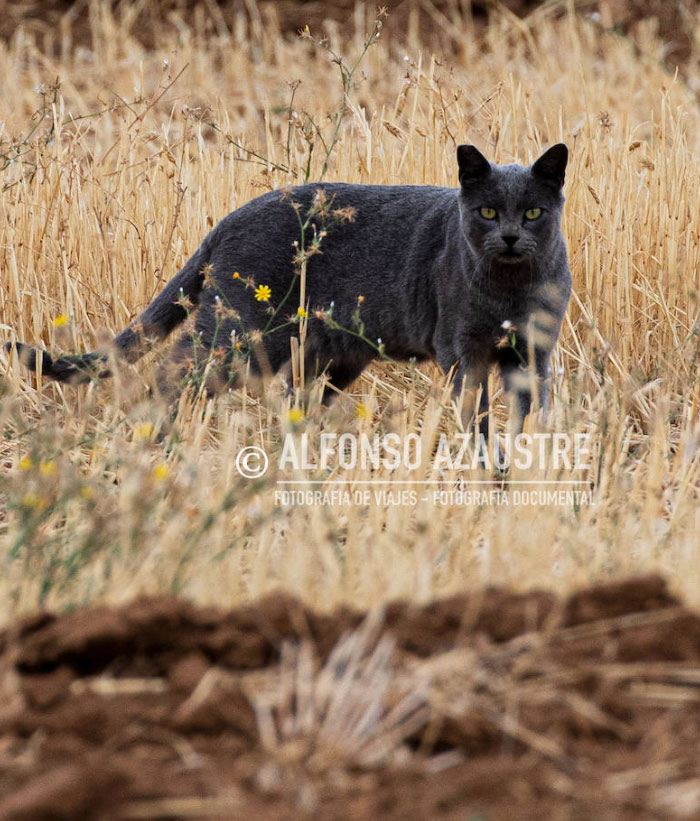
(470, 277)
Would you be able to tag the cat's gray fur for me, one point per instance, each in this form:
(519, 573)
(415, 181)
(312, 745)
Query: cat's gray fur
(437, 279)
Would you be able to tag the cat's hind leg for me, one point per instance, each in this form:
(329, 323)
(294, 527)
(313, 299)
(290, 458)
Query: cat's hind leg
(342, 372)
(193, 363)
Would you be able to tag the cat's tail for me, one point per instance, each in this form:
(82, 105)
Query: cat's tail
(166, 312)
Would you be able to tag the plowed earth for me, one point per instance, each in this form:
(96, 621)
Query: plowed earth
(489, 706)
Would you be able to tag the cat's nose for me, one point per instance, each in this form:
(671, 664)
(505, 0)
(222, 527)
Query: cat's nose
(510, 239)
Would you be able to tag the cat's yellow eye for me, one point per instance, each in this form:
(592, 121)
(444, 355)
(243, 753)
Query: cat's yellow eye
(488, 213)
(532, 213)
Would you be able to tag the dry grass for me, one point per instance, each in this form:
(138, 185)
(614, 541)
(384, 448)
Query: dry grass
(104, 209)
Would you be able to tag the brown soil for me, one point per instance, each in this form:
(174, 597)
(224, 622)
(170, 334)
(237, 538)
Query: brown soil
(433, 21)
(498, 705)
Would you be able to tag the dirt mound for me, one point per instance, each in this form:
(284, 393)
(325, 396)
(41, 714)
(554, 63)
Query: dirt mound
(493, 705)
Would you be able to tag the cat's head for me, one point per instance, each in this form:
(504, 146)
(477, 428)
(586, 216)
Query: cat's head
(511, 213)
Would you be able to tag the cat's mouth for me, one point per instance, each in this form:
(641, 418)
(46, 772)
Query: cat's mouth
(510, 257)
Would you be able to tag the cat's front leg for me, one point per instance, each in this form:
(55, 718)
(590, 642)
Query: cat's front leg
(524, 353)
(471, 388)
(519, 379)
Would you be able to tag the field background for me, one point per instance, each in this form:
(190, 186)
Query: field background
(119, 153)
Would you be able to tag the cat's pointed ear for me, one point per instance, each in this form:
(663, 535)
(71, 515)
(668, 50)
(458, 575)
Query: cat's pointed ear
(472, 164)
(552, 164)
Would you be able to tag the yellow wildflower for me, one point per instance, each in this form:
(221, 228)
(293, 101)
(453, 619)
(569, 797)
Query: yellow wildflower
(360, 299)
(87, 492)
(25, 463)
(362, 411)
(236, 275)
(143, 431)
(302, 312)
(263, 293)
(47, 468)
(296, 415)
(60, 320)
(31, 500)
(161, 473)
